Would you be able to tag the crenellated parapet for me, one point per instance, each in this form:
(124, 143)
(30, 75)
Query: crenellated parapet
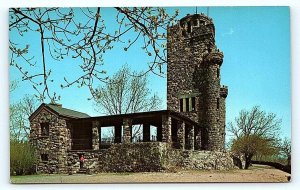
(197, 26)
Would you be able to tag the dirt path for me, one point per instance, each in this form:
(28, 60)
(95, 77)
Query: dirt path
(257, 173)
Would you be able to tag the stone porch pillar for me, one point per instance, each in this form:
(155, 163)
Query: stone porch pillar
(166, 128)
(127, 124)
(181, 134)
(146, 132)
(118, 134)
(191, 137)
(95, 135)
(197, 130)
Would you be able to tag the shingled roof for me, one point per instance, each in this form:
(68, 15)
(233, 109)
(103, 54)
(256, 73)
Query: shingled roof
(67, 112)
(59, 110)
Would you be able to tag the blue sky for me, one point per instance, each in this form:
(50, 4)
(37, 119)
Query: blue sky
(256, 67)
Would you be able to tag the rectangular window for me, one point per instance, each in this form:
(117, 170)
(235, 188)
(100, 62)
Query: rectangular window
(195, 23)
(187, 104)
(44, 157)
(44, 129)
(193, 104)
(218, 103)
(218, 72)
(181, 105)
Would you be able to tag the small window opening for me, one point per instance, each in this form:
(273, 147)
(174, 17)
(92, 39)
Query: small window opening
(193, 104)
(181, 105)
(218, 73)
(187, 104)
(195, 23)
(218, 103)
(45, 129)
(44, 157)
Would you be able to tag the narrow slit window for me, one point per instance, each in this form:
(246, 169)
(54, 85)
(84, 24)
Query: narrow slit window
(181, 105)
(193, 104)
(218, 72)
(187, 104)
(218, 103)
(189, 29)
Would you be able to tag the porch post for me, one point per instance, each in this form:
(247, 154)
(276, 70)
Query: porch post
(127, 124)
(191, 138)
(166, 128)
(197, 138)
(181, 134)
(95, 135)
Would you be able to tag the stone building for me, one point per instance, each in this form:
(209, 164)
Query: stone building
(190, 133)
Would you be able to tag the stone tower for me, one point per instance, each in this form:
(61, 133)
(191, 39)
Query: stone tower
(193, 78)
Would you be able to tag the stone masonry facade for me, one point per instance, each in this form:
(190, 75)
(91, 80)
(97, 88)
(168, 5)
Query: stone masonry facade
(190, 133)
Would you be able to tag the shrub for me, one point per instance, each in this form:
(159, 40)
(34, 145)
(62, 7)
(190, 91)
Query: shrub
(22, 158)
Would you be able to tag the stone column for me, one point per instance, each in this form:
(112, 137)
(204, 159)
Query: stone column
(146, 132)
(95, 135)
(118, 134)
(69, 136)
(191, 138)
(197, 130)
(166, 128)
(127, 124)
(181, 134)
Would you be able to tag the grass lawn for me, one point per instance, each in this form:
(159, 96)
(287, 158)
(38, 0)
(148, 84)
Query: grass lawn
(257, 173)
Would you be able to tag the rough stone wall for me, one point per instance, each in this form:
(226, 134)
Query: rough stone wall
(194, 71)
(141, 157)
(91, 161)
(133, 157)
(55, 145)
(209, 160)
(196, 160)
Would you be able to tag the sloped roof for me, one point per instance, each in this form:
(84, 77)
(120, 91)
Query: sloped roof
(67, 112)
(59, 110)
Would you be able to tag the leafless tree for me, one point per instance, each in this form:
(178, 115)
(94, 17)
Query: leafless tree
(82, 33)
(19, 114)
(286, 149)
(126, 93)
(254, 131)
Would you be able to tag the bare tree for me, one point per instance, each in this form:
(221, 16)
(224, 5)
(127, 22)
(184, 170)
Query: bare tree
(253, 132)
(286, 149)
(82, 33)
(19, 114)
(126, 93)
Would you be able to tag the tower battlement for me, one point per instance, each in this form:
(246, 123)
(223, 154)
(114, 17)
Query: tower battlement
(194, 26)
